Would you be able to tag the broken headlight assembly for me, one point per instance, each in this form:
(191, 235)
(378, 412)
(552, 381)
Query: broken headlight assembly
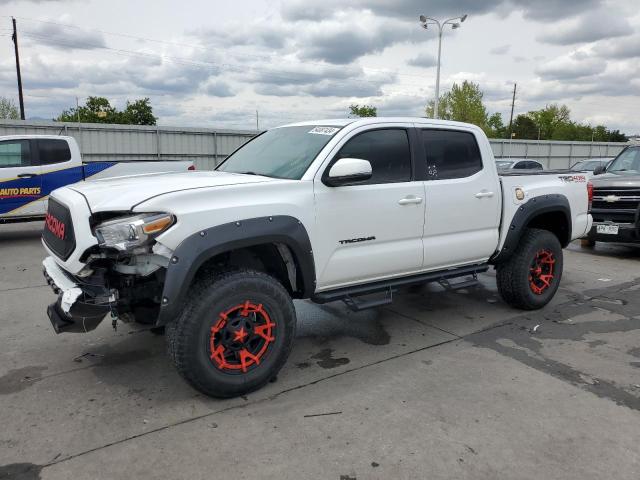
(127, 233)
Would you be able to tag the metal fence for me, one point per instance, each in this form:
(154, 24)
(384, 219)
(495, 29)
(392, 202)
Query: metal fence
(554, 154)
(207, 147)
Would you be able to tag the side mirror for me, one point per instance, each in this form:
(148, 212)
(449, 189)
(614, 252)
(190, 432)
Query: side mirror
(600, 170)
(348, 171)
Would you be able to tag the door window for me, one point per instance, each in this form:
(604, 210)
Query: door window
(388, 152)
(53, 151)
(15, 153)
(451, 154)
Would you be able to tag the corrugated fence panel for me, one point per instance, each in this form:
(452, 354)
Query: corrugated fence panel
(207, 147)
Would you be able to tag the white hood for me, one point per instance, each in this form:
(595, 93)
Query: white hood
(122, 193)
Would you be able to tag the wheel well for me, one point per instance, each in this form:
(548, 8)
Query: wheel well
(555, 222)
(275, 259)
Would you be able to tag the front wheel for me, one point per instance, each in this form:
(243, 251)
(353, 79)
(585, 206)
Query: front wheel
(530, 277)
(235, 333)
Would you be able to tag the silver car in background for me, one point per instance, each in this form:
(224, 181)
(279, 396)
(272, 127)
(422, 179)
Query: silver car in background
(506, 164)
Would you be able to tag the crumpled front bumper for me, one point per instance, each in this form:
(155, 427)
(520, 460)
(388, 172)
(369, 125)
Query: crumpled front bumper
(80, 307)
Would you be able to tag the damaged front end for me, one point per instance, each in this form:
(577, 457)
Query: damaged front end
(122, 277)
(80, 306)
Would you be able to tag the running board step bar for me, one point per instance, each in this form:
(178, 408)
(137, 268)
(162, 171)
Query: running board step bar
(472, 282)
(350, 294)
(357, 304)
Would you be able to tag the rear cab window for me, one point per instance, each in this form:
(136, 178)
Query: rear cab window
(450, 154)
(53, 150)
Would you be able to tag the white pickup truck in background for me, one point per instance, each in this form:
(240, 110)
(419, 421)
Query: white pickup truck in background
(32, 166)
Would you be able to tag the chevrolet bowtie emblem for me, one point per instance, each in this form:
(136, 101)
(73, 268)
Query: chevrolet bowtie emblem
(611, 198)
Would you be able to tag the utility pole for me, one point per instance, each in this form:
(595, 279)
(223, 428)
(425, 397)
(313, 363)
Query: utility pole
(257, 121)
(513, 102)
(14, 37)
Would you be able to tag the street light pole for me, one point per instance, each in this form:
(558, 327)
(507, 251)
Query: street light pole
(425, 21)
(437, 100)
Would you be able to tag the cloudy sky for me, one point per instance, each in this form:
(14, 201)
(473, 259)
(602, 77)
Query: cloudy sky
(214, 63)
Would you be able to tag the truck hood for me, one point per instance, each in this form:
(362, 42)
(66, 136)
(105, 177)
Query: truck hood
(123, 193)
(614, 180)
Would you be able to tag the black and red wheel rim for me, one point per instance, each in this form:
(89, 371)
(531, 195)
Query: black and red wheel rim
(241, 337)
(541, 271)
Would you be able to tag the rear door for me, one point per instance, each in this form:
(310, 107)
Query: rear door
(20, 180)
(463, 199)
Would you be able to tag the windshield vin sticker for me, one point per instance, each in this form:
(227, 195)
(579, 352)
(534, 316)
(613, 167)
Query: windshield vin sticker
(324, 130)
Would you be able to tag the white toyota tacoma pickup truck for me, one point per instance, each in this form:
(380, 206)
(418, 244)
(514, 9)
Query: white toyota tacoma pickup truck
(32, 166)
(331, 210)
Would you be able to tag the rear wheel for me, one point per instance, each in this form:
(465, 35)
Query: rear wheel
(235, 333)
(530, 277)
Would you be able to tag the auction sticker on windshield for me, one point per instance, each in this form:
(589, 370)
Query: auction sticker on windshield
(324, 130)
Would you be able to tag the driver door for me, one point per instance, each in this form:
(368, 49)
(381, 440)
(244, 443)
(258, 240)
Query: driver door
(371, 230)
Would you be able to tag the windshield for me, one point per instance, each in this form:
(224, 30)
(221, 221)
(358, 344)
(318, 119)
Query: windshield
(283, 152)
(627, 161)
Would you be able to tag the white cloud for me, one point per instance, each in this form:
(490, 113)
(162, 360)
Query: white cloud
(589, 27)
(298, 60)
(500, 50)
(571, 67)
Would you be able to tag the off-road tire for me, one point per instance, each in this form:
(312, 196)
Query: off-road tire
(189, 335)
(514, 274)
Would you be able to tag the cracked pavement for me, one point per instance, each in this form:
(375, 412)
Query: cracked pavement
(437, 385)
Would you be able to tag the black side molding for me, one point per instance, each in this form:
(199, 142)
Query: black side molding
(196, 249)
(528, 211)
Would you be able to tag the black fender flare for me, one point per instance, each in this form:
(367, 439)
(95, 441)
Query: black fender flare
(196, 249)
(525, 213)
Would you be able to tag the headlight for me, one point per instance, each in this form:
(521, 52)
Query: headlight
(130, 232)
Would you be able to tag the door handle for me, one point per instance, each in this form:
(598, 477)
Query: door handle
(484, 194)
(27, 175)
(410, 200)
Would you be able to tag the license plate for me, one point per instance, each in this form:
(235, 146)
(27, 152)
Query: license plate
(608, 229)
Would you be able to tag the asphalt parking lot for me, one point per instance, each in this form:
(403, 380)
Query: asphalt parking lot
(438, 385)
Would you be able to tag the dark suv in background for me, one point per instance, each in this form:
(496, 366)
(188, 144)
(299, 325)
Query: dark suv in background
(616, 199)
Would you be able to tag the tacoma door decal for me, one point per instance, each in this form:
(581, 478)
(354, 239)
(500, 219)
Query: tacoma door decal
(356, 240)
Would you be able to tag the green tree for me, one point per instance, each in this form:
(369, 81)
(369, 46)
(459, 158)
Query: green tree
(495, 126)
(549, 118)
(462, 103)
(617, 136)
(524, 128)
(99, 110)
(363, 110)
(139, 112)
(8, 109)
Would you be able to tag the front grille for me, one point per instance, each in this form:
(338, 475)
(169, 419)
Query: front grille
(619, 204)
(58, 230)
